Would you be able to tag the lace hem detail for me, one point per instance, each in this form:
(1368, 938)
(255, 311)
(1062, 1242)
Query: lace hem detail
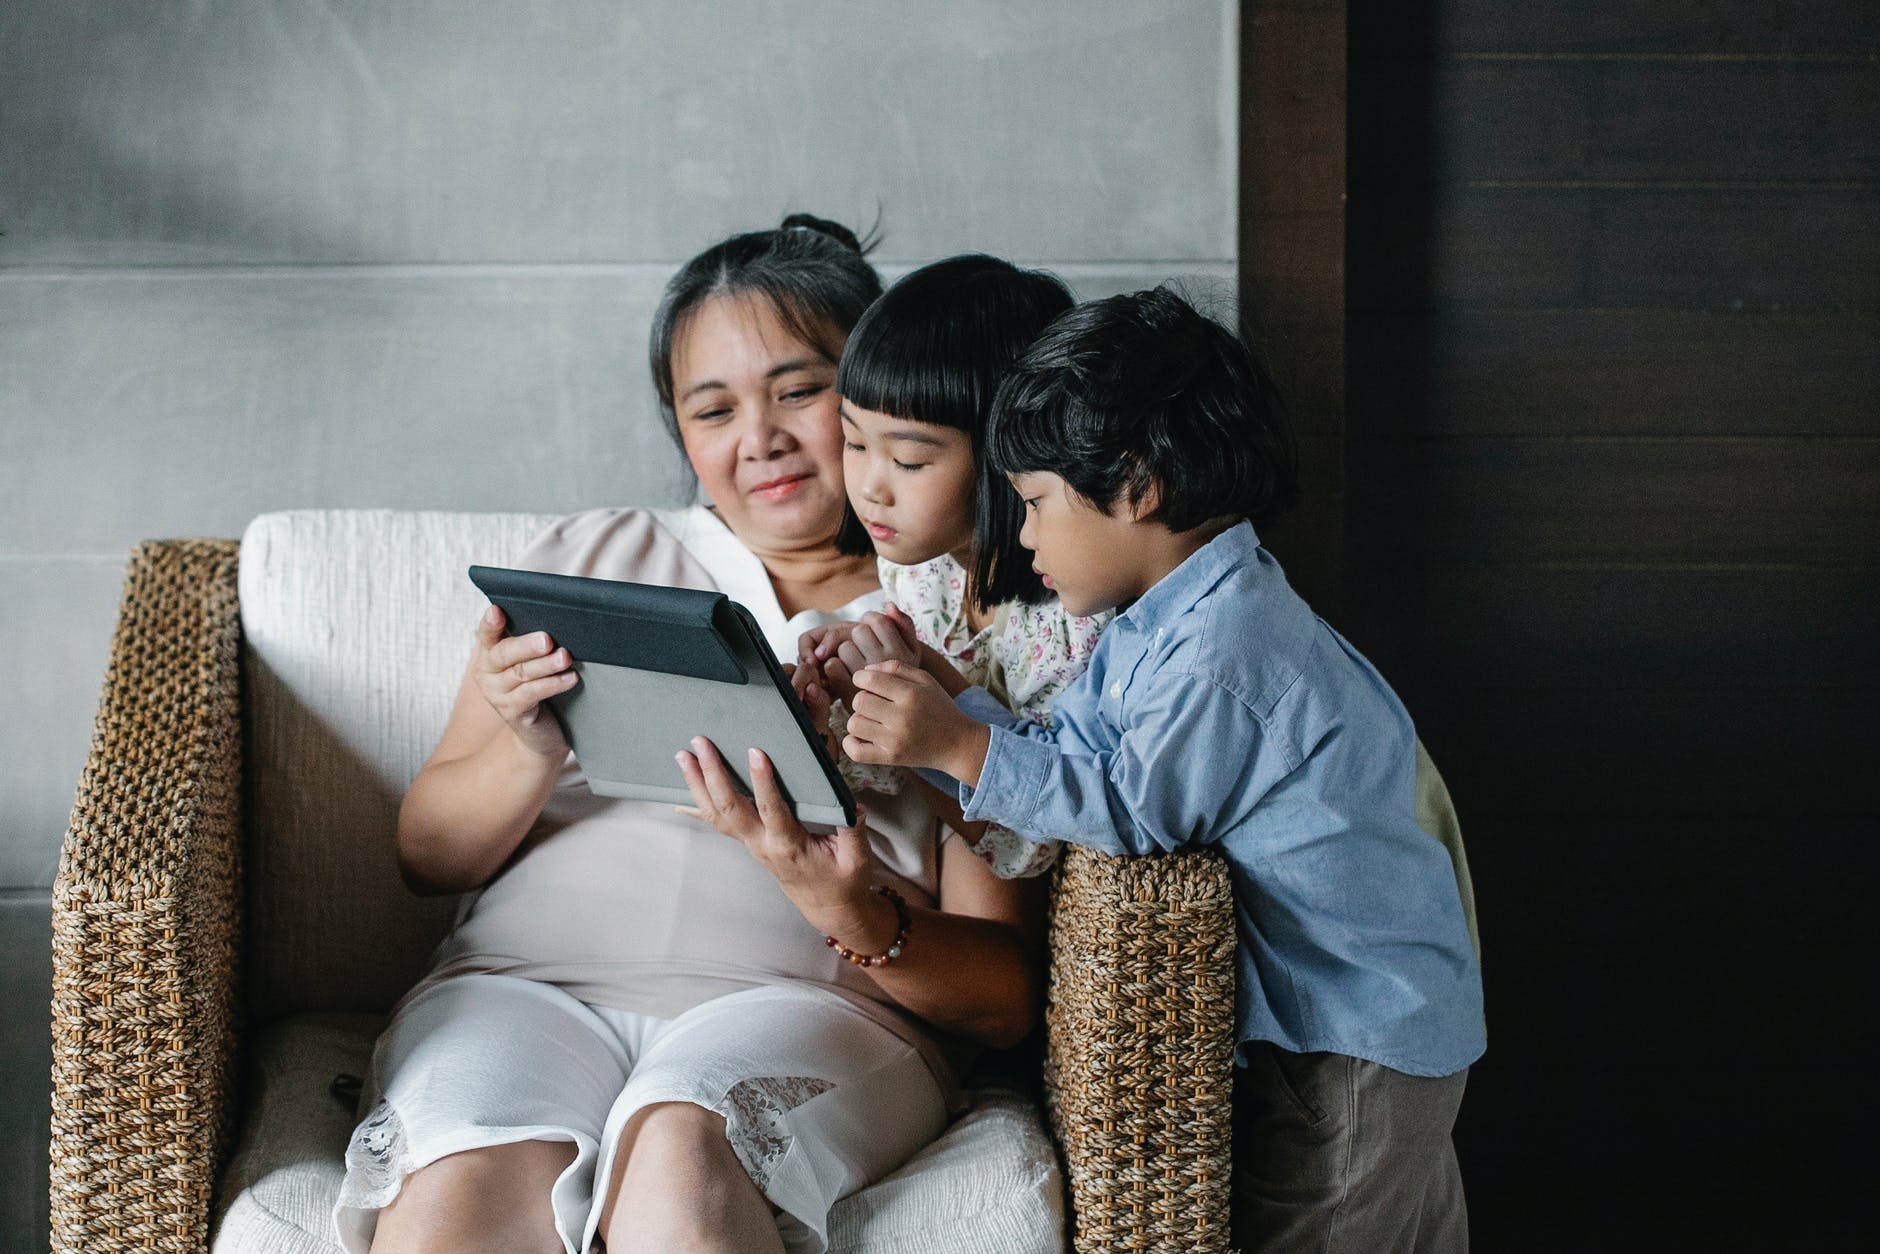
(378, 1158)
(755, 1114)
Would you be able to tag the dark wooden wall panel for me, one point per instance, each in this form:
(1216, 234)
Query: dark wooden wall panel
(1292, 258)
(1612, 529)
(1684, 121)
(1675, 858)
(1627, 499)
(1744, 758)
(1616, 372)
(1622, 628)
(1622, 247)
(1686, 29)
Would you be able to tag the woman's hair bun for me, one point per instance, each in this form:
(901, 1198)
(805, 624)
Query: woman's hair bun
(823, 226)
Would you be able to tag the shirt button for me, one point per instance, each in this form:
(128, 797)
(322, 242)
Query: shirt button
(1116, 688)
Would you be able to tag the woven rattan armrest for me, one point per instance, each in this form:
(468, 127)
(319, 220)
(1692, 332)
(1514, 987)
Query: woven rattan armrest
(144, 918)
(1139, 1050)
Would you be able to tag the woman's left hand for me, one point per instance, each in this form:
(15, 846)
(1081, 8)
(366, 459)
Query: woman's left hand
(826, 874)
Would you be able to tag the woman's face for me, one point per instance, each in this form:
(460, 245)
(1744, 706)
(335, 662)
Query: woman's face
(757, 414)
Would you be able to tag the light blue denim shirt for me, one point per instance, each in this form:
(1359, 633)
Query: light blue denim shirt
(1220, 712)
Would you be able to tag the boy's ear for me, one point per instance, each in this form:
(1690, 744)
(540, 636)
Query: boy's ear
(1144, 507)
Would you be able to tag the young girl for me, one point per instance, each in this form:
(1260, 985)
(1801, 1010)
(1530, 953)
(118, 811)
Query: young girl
(917, 380)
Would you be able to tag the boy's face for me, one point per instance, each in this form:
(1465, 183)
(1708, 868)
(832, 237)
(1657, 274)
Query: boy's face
(1092, 560)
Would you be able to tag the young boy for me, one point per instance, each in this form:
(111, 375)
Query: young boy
(1218, 711)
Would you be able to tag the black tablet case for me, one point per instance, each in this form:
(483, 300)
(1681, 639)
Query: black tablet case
(659, 666)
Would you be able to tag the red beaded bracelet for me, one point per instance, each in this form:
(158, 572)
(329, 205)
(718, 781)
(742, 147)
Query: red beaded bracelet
(902, 917)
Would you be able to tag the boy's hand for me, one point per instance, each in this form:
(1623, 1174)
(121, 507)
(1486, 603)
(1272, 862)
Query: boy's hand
(902, 717)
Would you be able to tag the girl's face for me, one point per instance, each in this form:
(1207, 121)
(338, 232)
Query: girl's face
(757, 415)
(911, 483)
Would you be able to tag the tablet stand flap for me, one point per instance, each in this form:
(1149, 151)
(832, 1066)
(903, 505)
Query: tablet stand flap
(640, 626)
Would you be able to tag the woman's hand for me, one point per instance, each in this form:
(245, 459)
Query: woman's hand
(516, 674)
(901, 716)
(975, 967)
(827, 875)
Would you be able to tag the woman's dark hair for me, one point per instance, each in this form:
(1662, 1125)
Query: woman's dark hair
(814, 273)
(933, 349)
(1141, 391)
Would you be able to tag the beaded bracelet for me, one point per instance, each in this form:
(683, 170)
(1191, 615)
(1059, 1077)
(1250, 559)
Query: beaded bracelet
(902, 917)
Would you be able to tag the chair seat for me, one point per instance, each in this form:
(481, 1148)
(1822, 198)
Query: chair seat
(991, 1182)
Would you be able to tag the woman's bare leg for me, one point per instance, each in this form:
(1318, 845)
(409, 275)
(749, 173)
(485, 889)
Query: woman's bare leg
(493, 1200)
(677, 1186)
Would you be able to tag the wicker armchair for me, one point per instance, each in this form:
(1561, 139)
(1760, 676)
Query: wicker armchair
(158, 990)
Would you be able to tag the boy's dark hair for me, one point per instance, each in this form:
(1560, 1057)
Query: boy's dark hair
(933, 349)
(1140, 391)
(814, 273)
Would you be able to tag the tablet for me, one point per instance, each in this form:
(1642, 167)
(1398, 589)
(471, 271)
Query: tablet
(659, 666)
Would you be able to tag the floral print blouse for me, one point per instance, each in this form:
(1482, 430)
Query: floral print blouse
(1025, 656)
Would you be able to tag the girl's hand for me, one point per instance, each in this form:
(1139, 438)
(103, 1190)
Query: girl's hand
(902, 717)
(878, 638)
(826, 875)
(806, 682)
(874, 639)
(818, 643)
(516, 674)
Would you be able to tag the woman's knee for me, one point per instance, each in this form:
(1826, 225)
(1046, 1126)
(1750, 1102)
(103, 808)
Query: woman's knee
(494, 1198)
(674, 1139)
(678, 1152)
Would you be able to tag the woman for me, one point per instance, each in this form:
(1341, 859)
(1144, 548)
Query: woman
(640, 1030)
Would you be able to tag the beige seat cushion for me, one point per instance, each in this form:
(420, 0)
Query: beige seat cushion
(990, 1183)
(355, 630)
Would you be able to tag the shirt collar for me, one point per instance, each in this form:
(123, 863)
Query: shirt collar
(1176, 592)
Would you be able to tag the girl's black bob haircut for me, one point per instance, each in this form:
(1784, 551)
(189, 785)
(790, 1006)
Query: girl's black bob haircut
(1143, 391)
(814, 273)
(933, 349)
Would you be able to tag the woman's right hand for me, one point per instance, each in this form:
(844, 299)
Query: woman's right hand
(516, 674)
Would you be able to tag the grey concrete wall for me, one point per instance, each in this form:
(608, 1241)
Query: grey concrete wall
(259, 256)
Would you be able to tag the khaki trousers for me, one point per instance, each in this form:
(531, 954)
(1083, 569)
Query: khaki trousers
(1336, 1155)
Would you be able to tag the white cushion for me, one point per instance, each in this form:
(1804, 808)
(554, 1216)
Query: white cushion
(356, 626)
(990, 1183)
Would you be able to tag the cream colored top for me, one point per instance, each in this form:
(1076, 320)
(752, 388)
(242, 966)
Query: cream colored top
(630, 905)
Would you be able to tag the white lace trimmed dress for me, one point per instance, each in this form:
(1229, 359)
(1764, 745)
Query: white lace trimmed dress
(629, 956)
(1025, 656)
